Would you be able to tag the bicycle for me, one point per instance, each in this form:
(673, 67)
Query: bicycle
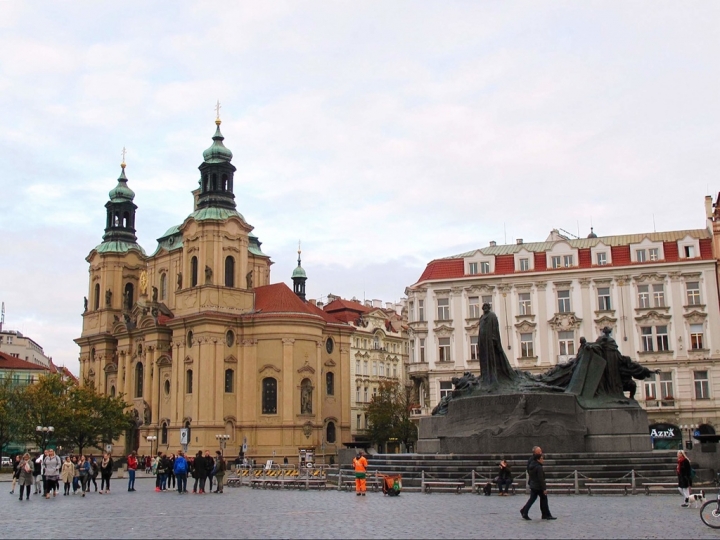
(710, 513)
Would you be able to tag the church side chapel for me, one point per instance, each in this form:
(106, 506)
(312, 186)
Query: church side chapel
(196, 336)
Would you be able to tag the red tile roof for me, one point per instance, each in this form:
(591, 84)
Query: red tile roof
(346, 311)
(8, 362)
(443, 269)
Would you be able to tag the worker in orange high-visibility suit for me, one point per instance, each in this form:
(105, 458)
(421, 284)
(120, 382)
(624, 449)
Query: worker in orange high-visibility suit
(360, 464)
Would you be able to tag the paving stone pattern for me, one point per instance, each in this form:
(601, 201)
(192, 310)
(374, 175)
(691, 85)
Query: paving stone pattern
(258, 513)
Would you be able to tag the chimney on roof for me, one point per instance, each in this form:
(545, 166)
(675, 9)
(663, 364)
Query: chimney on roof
(320, 304)
(376, 303)
(493, 243)
(313, 301)
(519, 241)
(389, 305)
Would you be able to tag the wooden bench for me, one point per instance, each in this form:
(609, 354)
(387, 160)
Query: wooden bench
(457, 486)
(479, 487)
(560, 486)
(662, 485)
(607, 487)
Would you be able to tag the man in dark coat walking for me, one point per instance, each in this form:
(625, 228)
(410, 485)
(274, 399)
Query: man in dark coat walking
(538, 488)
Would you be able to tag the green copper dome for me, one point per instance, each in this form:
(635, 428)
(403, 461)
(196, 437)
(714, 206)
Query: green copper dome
(122, 192)
(299, 272)
(217, 153)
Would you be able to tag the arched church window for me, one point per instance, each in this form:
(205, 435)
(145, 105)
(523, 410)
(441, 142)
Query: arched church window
(205, 183)
(129, 298)
(163, 434)
(229, 381)
(126, 220)
(163, 286)
(96, 297)
(193, 272)
(269, 396)
(189, 381)
(139, 376)
(224, 182)
(213, 184)
(229, 271)
(330, 432)
(167, 387)
(330, 383)
(112, 391)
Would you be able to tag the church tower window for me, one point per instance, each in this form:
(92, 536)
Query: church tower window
(163, 286)
(139, 379)
(229, 271)
(269, 396)
(129, 298)
(229, 381)
(96, 297)
(193, 272)
(189, 381)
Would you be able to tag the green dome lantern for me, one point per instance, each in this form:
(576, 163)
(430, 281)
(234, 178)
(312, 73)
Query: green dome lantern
(121, 192)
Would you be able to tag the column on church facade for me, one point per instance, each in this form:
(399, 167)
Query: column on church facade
(247, 392)
(288, 381)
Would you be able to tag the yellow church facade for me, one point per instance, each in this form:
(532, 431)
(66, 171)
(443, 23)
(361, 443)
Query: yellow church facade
(200, 342)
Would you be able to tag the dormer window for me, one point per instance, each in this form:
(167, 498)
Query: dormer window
(524, 265)
(484, 267)
(556, 261)
(640, 255)
(601, 258)
(689, 252)
(473, 268)
(654, 254)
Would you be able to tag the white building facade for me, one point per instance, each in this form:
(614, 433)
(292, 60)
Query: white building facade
(658, 293)
(19, 346)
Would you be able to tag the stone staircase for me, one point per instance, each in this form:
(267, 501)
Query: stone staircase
(607, 468)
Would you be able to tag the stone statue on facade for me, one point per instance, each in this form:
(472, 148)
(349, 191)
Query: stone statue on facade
(179, 280)
(154, 294)
(108, 298)
(208, 275)
(85, 303)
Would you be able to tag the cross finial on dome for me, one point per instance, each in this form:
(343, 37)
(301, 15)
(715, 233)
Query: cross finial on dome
(217, 113)
(124, 152)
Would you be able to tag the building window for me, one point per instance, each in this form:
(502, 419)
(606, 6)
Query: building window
(473, 307)
(563, 301)
(422, 349)
(443, 309)
(357, 367)
(421, 310)
(112, 391)
(164, 434)
(604, 299)
(330, 433)
(163, 286)
(446, 388)
(601, 257)
(567, 261)
(473, 268)
(654, 338)
(357, 422)
(474, 351)
(696, 336)
(702, 385)
(567, 343)
(525, 304)
(365, 367)
(269, 396)
(411, 311)
(556, 261)
(659, 295)
(365, 394)
(666, 386)
(382, 369)
(444, 350)
(689, 252)
(229, 381)
(654, 254)
(485, 267)
(357, 394)
(139, 380)
(524, 265)
(487, 299)
(693, 293)
(229, 271)
(374, 395)
(306, 396)
(166, 387)
(230, 338)
(189, 341)
(650, 388)
(526, 345)
(330, 383)
(643, 296)
(374, 369)
(193, 272)
(96, 298)
(129, 293)
(188, 381)
(640, 255)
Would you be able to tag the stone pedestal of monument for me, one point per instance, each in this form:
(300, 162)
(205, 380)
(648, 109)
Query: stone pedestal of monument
(514, 423)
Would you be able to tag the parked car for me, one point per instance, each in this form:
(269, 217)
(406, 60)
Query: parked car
(6, 462)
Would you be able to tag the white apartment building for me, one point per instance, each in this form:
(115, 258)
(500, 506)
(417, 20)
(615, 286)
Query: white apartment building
(378, 353)
(19, 346)
(658, 293)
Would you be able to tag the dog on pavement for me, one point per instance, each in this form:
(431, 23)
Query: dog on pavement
(487, 489)
(696, 499)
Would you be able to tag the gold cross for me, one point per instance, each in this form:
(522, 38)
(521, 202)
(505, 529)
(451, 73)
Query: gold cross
(123, 155)
(217, 109)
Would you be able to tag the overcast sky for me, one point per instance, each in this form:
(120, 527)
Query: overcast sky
(381, 134)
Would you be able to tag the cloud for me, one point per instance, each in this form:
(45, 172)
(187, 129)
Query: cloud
(381, 134)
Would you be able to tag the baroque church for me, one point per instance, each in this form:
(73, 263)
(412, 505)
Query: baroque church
(201, 343)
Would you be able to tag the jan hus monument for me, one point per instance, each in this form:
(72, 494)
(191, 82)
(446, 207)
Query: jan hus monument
(579, 406)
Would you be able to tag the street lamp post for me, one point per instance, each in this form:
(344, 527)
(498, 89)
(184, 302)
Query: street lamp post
(151, 439)
(46, 432)
(222, 440)
(690, 429)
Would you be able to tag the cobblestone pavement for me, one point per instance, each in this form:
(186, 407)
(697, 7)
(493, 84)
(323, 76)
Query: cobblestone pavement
(245, 512)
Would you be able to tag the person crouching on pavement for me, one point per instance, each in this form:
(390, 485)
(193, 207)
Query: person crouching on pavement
(360, 464)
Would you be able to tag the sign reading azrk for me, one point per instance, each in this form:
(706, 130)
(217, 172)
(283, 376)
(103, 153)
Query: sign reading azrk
(668, 433)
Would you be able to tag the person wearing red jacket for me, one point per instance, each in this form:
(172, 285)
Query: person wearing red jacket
(132, 464)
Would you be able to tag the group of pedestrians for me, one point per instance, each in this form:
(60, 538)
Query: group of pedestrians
(45, 471)
(172, 470)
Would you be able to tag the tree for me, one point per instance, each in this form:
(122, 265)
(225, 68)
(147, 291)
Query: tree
(44, 404)
(10, 419)
(388, 415)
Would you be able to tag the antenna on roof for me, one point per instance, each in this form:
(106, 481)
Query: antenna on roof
(2, 316)
(504, 233)
(654, 228)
